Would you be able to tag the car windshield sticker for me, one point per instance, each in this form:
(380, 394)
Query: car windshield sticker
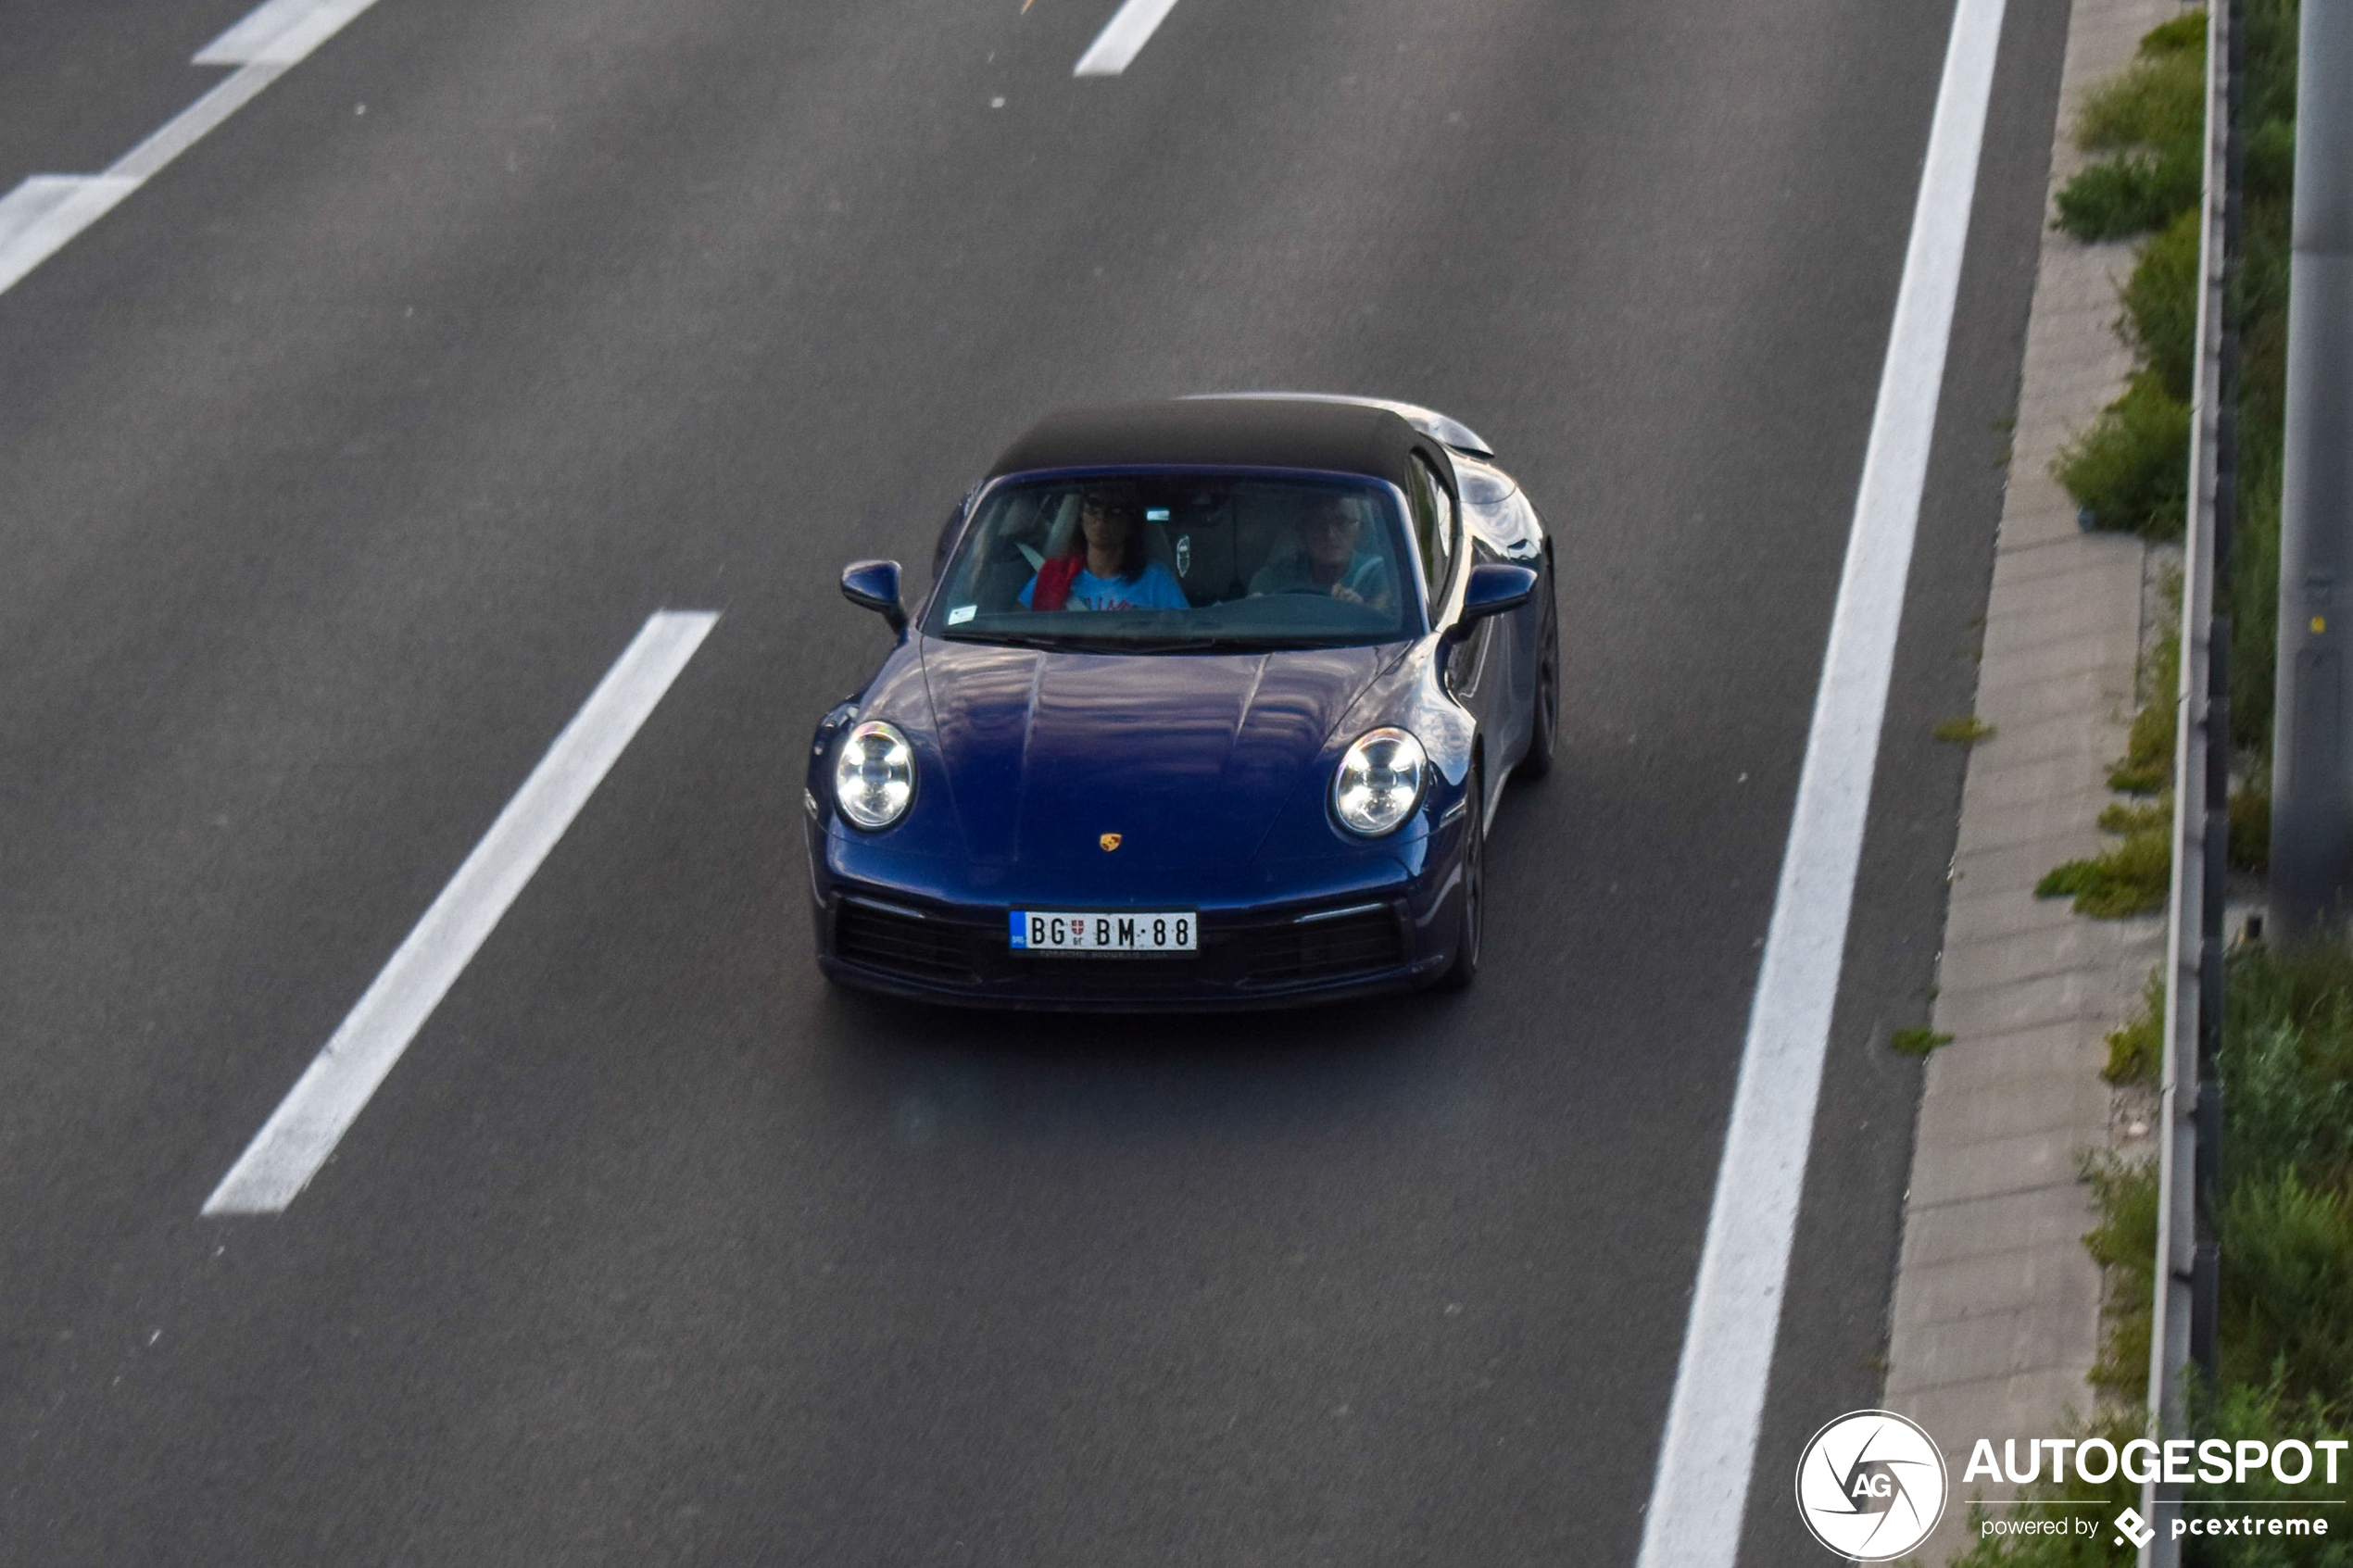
(961, 614)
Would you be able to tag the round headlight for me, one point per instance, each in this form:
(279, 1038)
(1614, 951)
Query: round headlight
(875, 775)
(1379, 781)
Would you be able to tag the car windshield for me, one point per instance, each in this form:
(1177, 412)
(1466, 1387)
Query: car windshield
(1180, 563)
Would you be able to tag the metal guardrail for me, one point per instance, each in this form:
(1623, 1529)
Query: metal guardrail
(2181, 1334)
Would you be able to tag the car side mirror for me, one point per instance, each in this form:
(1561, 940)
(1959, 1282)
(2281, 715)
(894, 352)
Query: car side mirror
(874, 584)
(1495, 587)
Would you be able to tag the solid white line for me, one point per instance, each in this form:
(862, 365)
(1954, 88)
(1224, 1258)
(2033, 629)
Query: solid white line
(280, 31)
(306, 1125)
(1130, 28)
(183, 129)
(1700, 1492)
(43, 213)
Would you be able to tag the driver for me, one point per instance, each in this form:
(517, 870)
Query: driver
(1112, 568)
(1328, 560)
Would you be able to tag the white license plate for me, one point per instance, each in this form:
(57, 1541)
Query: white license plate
(1067, 931)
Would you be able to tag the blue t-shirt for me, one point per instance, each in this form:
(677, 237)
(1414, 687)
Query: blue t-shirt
(1151, 588)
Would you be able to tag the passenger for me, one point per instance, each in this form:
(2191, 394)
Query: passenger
(1329, 561)
(1112, 569)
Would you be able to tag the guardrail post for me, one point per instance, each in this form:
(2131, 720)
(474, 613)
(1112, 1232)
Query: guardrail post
(2311, 774)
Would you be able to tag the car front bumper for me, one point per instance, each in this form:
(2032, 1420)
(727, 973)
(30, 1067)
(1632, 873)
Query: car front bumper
(1321, 940)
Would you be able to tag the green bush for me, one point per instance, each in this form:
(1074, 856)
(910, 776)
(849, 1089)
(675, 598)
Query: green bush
(2131, 879)
(2161, 305)
(2263, 1410)
(2146, 767)
(2126, 195)
(2158, 101)
(2287, 1278)
(1917, 1040)
(2131, 469)
(2124, 1245)
(2287, 1064)
(2286, 1224)
(2137, 1046)
(2151, 118)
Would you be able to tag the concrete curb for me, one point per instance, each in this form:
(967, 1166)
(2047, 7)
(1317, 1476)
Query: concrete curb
(1995, 1318)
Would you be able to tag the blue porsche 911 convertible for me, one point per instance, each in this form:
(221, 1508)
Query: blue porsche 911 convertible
(1209, 705)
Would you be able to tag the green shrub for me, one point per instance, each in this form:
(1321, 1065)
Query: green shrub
(1967, 729)
(2137, 1046)
(2262, 1409)
(2151, 118)
(2287, 1277)
(2287, 1064)
(2286, 1224)
(2124, 1245)
(2157, 102)
(2131, 469)
(2160, 305)
(2270, 166)
(2146, 767)
(2131, 879)
(2126, 819)
(1918, 1040)
(2127, 195)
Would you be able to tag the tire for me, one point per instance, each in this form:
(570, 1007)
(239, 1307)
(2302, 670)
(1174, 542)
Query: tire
(1472, 919)
(1543, 729)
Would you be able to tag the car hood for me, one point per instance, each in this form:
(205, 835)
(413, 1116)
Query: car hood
(1186, 758)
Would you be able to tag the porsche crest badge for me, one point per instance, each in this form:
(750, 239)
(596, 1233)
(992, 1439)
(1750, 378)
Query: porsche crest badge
(1110, 842)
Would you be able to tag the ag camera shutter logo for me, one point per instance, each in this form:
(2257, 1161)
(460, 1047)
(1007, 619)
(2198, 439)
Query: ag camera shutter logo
(1870, 1486)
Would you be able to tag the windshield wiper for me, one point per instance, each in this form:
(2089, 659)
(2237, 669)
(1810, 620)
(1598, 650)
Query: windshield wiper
(1007, 639)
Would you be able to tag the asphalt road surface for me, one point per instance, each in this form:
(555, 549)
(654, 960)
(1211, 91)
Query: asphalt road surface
(340, 462)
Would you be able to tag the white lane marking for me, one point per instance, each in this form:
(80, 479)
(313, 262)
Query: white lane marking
(1700, 1492)
(47, 210)
(1130, 28)
(183, 129)
(280, 31)
(43, 213)
(329, 1096)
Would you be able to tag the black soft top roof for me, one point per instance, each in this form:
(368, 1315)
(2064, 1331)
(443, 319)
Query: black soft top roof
(1243, 432)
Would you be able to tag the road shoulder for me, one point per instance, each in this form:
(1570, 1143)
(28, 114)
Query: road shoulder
(1995, 1315)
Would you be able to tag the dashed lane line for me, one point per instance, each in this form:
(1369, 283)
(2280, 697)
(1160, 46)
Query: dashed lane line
(331, 1092)
(1130, 28)
(1708, 1453)
(44, 212)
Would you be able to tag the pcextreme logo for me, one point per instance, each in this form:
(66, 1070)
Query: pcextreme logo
(1870, 1486)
